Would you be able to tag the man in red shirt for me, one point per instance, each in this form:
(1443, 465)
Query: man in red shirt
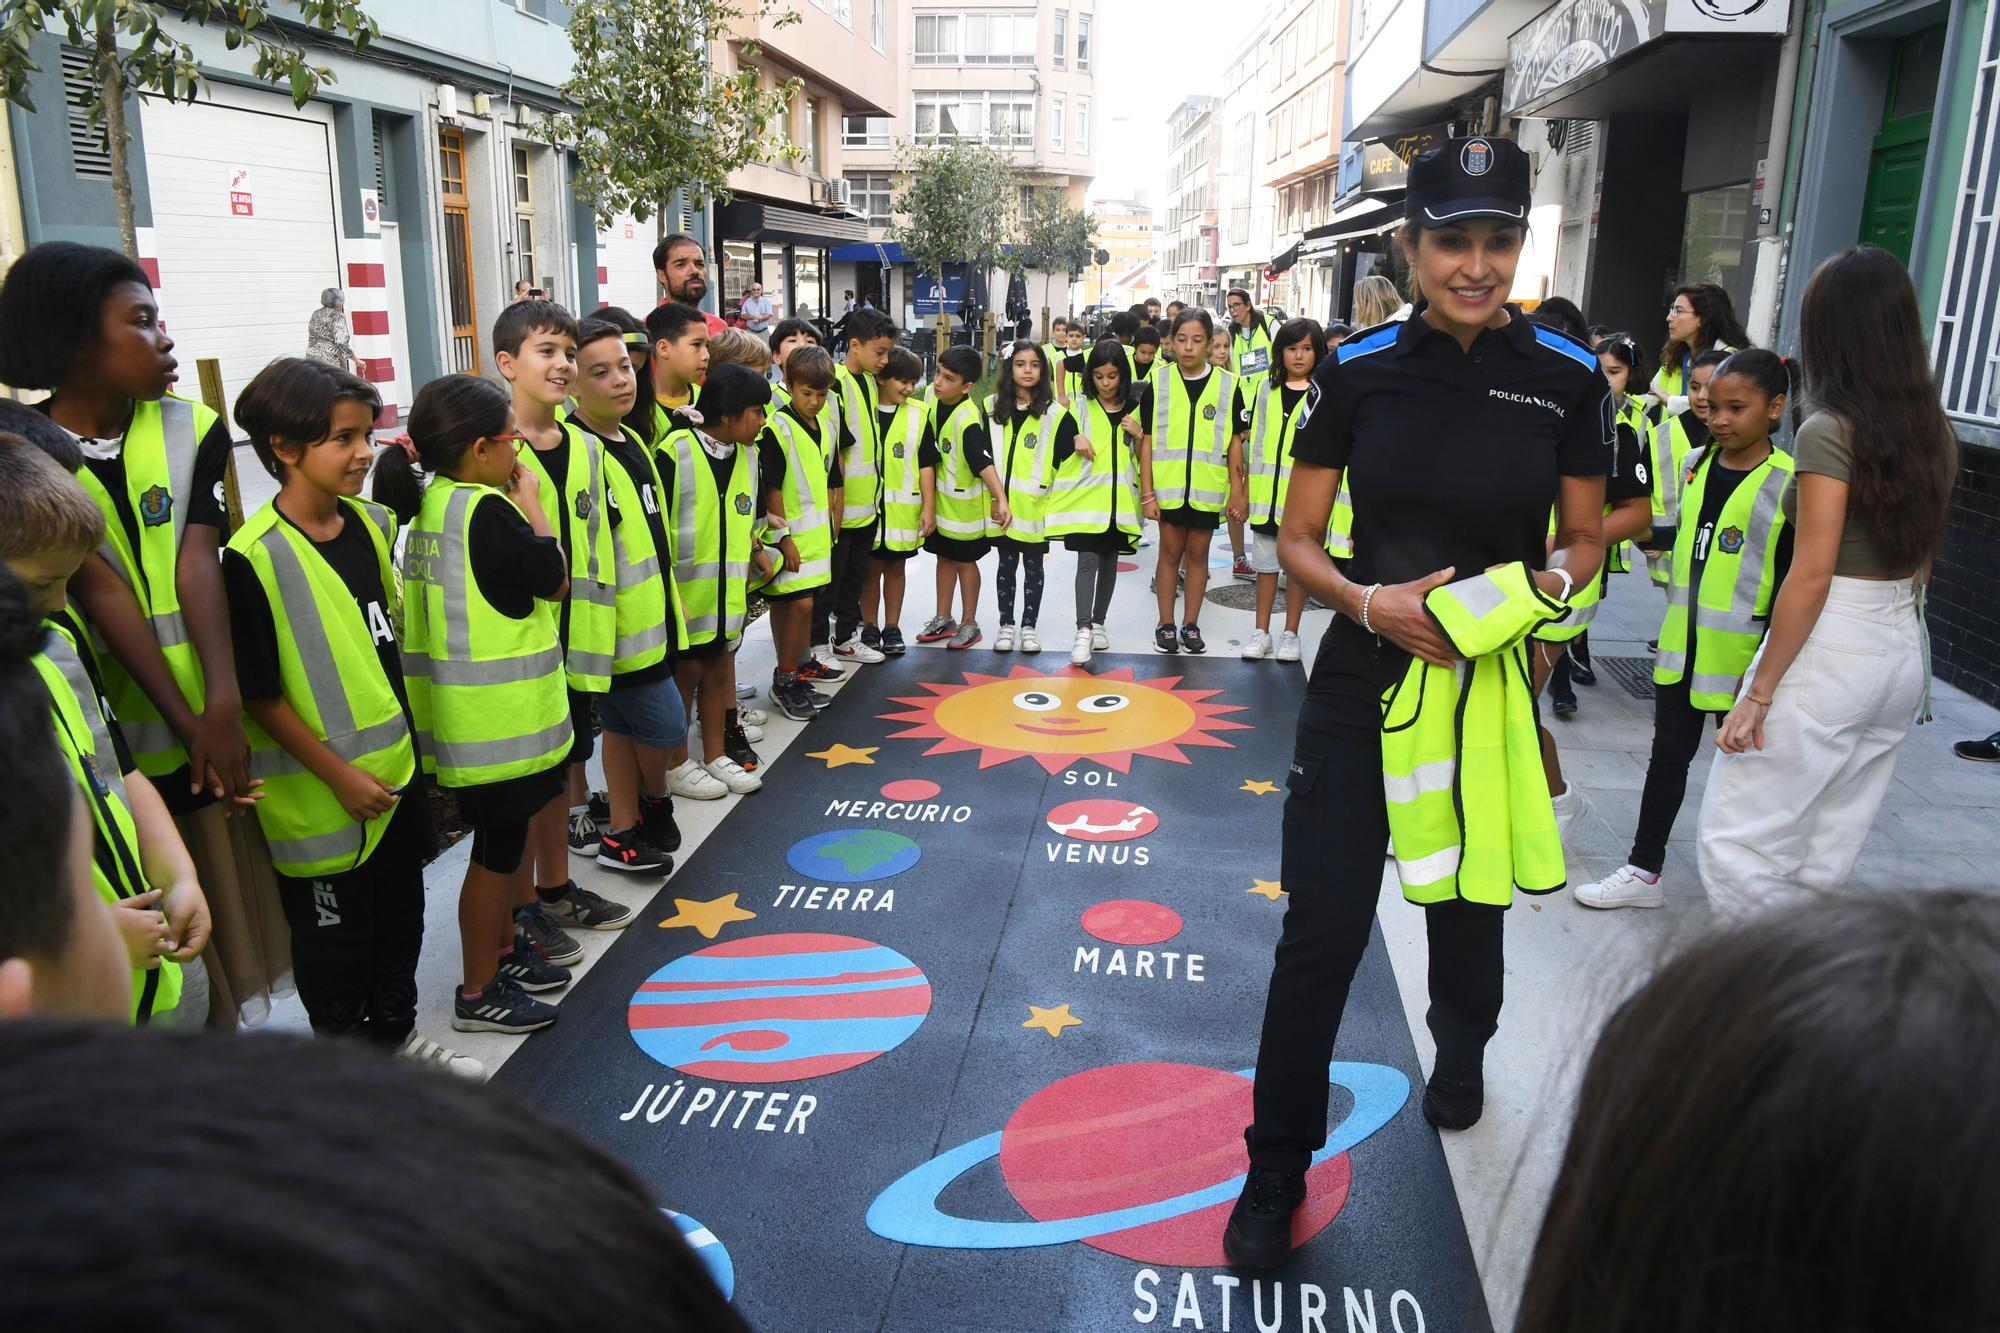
(682, 268)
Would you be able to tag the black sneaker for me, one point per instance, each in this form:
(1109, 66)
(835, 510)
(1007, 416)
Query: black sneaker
(1165, 640)
(1581, 674)
(785, 697)
(1259, 1234)
(579, 908)
(555, 943)
(872, 637)
(737, 745)
(583, 833)
(1455, 1095)
(631, 851)
(1191, 640)
(501, 1007)
(1652, 645)
(1566, 707)
(820, 702)
(892, 641)
(599, 806)
(656, 817)
(525, 967)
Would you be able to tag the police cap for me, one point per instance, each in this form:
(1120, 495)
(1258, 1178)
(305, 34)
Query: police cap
(1469, 178)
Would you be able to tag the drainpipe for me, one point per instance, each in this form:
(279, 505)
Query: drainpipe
(1767, 262)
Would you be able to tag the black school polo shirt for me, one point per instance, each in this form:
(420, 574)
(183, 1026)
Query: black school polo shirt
(1453, 457)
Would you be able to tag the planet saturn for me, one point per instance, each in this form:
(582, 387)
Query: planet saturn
(1139, 1160)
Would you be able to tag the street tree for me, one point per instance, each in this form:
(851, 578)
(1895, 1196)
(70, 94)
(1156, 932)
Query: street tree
(955, 207)
(156, 63)
(652, 116)
(1056, 239)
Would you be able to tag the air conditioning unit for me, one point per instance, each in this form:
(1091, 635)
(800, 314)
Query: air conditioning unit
(832, 193)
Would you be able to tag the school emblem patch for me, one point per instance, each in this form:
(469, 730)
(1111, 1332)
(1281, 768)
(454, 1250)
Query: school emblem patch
(156, 505)
(583, 504)
(1028, 440)
(743, 502)
(97, 782)
(1476, 157)
(897, 449)
(1730, 540)
(1208, 413)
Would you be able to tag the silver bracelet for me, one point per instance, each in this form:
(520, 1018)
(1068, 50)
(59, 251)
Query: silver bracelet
(1367, 595)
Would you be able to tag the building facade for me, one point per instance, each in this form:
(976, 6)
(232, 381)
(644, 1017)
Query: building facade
(1189, 271)
(1125, 233)
(1302, 141)
(1246, 217)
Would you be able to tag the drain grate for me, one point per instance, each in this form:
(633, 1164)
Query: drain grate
(1235, 596)
(1634, 673)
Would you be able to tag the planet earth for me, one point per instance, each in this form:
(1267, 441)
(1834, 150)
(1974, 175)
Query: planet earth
(852, 855)
(707, 1248)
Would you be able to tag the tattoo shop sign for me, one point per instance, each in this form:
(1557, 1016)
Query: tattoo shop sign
(1573, 38)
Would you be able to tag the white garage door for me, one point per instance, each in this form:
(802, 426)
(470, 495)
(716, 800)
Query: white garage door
(243, 218)
(625, 265)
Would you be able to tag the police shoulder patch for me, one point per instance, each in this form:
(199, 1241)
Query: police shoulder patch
(156, 505)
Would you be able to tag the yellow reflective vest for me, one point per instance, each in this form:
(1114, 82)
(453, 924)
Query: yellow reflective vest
(711, 529)
(808, 465)
(648, 617)
(1250, 353)
(861, 461)
(962, 498)
(1668, 451)
(1270, 451)
(902, 479)
(1022, 451)
(579, 494)
(1191, 455)
(332, 677)
(1099, 493)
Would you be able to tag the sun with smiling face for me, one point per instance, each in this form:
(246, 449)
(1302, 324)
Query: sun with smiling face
(1059, 717)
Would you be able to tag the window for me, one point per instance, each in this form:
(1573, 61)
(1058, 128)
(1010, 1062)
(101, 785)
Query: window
(1322, 112)
(871, 193)
(864, 131)
(843, 13)
(524, 248)
(1024, 201)
(1329, 14)
(1056, 121)
(524, 215)
(90, 151)
(1305, 119)
(875, 23)
(1003, 37)
(1271, 137)
(1968, 322)
(1062, 39)
(815, 157)
(1083, 124)
(1002, 119)
(1285, 127)
(1083, 41)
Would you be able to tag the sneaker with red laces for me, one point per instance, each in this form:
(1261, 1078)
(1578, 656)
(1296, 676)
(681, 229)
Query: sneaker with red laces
(814, 669)
(631, 851)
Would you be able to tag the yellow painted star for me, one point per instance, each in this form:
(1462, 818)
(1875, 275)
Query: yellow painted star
(707, 917)
(1259, 787)
(1267, 887)
(839, 755)
(1052, 1021)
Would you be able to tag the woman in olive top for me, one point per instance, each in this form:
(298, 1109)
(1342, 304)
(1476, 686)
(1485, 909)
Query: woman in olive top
(1810, 747)
(1459, 428)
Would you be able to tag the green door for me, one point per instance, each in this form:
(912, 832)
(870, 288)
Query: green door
(1896, 166)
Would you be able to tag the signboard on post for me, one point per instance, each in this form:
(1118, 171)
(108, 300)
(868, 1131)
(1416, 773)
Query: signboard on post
(371, 212)
(239, 193)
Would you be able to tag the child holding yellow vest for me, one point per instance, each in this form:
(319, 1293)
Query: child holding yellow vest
(1027, 422)
(909, 498)
(1093, 502)
(1731, 552)
(483, 664)
(312, 610)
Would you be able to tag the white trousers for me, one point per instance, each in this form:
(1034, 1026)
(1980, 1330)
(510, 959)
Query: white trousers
(1788, 821)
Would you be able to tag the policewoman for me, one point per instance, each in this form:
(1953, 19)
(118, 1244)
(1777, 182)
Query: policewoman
(1249, 336)
(1456, 431)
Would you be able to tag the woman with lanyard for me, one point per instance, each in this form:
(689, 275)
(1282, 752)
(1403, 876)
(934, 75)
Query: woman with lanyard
(1458, 428)
(1700, 319)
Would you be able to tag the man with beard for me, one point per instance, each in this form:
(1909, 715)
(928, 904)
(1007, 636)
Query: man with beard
(681, 265)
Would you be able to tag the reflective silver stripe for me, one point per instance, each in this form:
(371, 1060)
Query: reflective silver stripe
(738, 569)
(697, 573)
(702, 624)
(1422, 780)
(277, 762)
(456, 560)
(507, 750)
(1672, 660)
(384, 521)
(589, 590)
(1707, 684)
(633, 573)
(806, 514)
(685, 502)
(500, 671)
(1479, 596)
(582, 663)
(147, 735)
(594, 456)
(345, 842)
(1429, 869)
(69, 663)
(640, 641)
(1763, 516)
(170, 629)
(1199, 497)
(295, 590)
(177, 430)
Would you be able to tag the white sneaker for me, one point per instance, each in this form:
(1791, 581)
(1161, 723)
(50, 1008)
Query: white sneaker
(427, 1052)
(856, 651)
(695, 783)
(1571, 807)
(751, 731)
(1099, 639)
(733, 775)
(1079, 653)
(1288, 647)
(824, 656)
(1257, 645)
(746, 691)
(1003, 639)
(752, 717)
(1031, 642)
(1624, 887)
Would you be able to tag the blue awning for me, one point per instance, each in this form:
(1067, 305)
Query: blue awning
(885, 253)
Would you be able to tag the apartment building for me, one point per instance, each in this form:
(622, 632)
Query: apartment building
(1125, 232)
(1302, 147)
(1188, 236)
(1247, 215)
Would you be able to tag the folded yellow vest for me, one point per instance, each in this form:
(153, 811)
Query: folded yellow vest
(1469, 810)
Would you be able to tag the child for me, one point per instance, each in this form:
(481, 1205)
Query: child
(679, 335)
(1093, 503)
(1072, 381)
(482, 660)
(802, 500)
(1194, 416)
(1057, 347)
(1145, 352)
(1281, 397)
(965, 464)
(82, 322)
(909, 497)
(787, 335)
(142, 877)
(1729, 559)
(1028, 422)
(1221, 353)
(741, 347)
(311, 612)
(1218, 351)
(870, 335)
(708, 473)
(534, 348)
(642, 714)
(1675, 437)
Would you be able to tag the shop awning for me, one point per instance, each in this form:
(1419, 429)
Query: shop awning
(753, 220)
(886, 254)
(1364, 217)
(1282, 263)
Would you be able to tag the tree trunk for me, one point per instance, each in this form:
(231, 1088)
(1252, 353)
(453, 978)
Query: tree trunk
(111, 81)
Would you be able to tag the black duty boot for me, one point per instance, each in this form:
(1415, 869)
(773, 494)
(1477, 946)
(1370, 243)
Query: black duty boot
(1456, 1094)
(1260, 1226)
